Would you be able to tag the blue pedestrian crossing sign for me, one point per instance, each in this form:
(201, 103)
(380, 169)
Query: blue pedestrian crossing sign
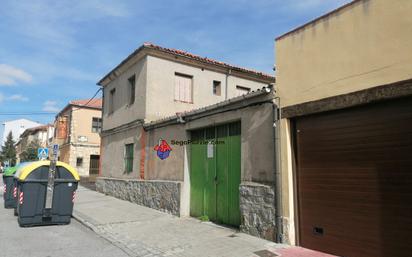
(42, 153)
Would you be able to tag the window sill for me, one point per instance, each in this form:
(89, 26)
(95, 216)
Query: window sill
(179, 101)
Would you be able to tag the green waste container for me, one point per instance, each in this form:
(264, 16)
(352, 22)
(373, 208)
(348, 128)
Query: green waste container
(32, 183)
(9, 187)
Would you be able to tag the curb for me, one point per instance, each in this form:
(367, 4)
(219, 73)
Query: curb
(97, 231)
(84, 222)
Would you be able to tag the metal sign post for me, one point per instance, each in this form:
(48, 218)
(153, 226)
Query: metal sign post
(50, 181)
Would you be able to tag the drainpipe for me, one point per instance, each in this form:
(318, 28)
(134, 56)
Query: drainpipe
(227, 79)
(277, 178)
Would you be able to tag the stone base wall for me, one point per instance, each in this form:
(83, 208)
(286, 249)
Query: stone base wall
(257, 210)
(160, 195)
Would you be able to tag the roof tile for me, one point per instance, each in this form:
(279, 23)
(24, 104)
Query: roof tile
(95, 103)
(205, 59)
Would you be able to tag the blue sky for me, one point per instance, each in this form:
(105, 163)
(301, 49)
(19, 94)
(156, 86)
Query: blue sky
(54, 51)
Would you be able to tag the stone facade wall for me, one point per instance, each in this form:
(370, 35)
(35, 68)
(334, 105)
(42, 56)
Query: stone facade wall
(159, 195)
(83, 151)
(257, 210)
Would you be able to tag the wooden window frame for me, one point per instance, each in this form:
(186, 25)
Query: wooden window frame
(178, 74)
(96, 125)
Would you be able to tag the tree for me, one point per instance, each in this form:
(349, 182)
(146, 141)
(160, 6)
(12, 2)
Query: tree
(30, 152)
(8, 152)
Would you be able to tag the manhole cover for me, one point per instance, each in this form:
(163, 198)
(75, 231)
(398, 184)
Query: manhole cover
(233, 235)
(265, 253)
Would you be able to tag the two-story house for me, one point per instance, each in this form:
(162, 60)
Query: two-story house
(155, 82)
(41, 135)
(156, 102)
(77, 129)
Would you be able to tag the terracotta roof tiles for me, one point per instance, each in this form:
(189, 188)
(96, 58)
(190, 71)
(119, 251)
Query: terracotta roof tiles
(205, 59)
(95, 103)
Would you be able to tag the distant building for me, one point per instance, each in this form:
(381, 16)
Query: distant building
(17, 127)
(43, 134)
(77, 129)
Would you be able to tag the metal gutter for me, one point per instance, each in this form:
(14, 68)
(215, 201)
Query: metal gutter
(277, 178)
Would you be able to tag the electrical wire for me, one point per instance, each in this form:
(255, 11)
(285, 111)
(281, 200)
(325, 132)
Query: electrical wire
(16, 113)
(91, 99)
(26, 113)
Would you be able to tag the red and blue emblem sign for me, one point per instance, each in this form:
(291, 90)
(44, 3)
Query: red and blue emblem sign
(163, 149)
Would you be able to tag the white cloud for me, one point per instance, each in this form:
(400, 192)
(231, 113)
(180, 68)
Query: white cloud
(50, 106)
(15, 97)
(10, 76)
(18, 98)
(54, 24)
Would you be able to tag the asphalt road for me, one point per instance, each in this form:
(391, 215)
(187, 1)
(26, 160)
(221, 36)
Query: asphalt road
(50, 241)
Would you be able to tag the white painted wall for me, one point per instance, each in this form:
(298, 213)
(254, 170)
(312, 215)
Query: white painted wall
(123, 112)
(155, 90)
(17, 127)
(160, 93)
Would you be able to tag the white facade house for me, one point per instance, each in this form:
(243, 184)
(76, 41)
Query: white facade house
(17, 127)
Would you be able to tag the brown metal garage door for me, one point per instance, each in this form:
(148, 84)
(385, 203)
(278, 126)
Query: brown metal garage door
(354, 180)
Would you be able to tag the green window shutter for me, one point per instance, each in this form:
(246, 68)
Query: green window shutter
(128, 158)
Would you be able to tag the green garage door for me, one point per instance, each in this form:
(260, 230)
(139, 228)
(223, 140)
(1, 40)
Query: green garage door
(215, 173)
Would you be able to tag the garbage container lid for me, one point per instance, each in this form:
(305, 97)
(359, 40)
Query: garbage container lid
(19, 167)
(23, 173)
(9, 171)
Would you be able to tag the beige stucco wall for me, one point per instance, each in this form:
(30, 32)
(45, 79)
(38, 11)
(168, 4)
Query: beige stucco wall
(172, 167)
(161, 79)
(112, 158)
(257, 147)
(123, 112)
(288, 195)
(364, 45)
(81, 125)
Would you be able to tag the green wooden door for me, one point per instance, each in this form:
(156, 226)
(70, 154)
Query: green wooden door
(215, 173)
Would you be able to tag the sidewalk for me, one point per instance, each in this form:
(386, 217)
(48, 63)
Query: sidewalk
(141, 231)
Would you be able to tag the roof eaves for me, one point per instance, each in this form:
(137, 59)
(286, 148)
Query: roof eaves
(130, 56)
(207, 60)
(184, 54)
